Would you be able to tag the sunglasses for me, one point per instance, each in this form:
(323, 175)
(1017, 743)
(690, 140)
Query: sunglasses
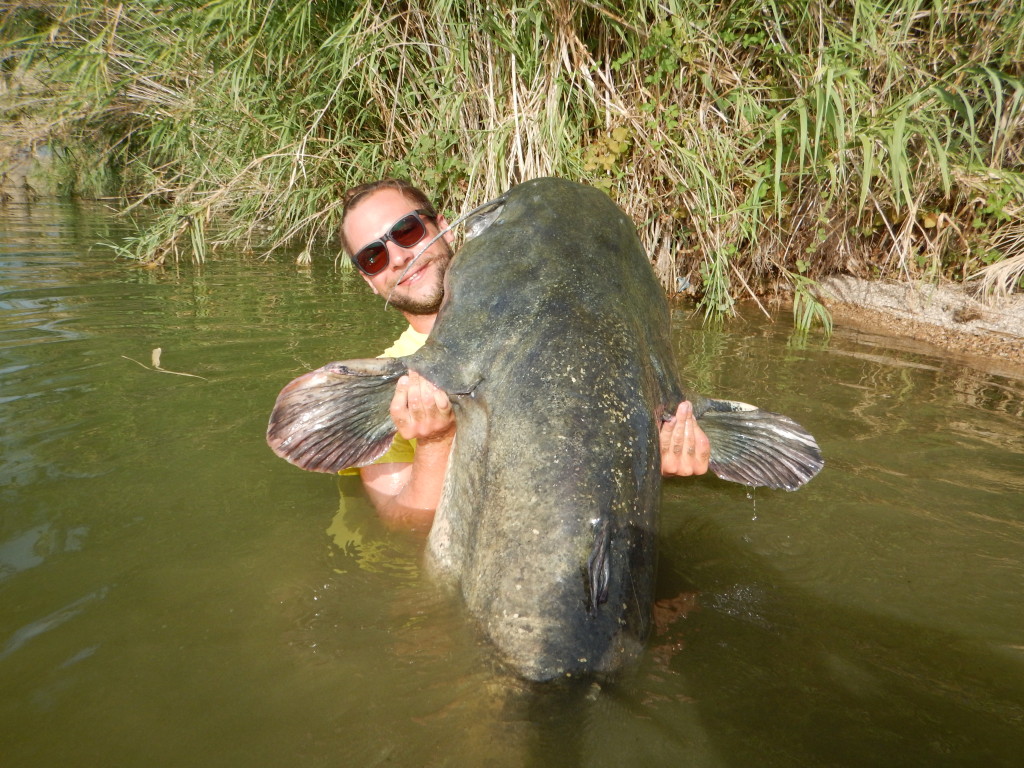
(406, 232)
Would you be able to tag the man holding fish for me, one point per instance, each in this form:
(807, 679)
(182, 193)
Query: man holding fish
(384, 225)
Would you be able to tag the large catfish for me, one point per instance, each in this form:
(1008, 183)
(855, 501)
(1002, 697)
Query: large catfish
(553, 345)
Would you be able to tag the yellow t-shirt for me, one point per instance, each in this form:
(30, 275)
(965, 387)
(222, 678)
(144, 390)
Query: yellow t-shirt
(401, 450)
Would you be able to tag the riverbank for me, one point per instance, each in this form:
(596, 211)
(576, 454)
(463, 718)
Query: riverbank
(945, 316)
(25, 173)
(26, 159)
(989, 333)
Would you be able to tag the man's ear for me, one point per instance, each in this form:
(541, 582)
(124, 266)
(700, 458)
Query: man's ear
(442, 224)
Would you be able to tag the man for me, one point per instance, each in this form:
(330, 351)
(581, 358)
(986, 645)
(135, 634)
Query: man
(384, 224)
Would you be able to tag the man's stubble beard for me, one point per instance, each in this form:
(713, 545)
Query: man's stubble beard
(431, 303)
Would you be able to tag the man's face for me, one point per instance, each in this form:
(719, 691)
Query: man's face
(421, 290)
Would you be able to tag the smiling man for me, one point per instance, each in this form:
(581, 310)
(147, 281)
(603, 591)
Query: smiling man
(384, 225)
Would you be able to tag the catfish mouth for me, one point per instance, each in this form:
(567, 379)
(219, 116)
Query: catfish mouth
(478, 220)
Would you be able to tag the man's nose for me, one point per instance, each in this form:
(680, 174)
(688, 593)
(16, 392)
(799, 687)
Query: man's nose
(398, 255)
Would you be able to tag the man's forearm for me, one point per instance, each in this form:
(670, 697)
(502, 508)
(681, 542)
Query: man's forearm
(406, 495)
(426, 478)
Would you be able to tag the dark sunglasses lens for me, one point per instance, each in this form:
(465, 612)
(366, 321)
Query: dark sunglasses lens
(373, 258)
(408, 230)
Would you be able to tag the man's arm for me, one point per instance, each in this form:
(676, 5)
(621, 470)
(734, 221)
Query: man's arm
(685, 449)
(406, 494)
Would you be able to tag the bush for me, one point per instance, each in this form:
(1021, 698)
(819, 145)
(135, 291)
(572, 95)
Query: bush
(759, 146)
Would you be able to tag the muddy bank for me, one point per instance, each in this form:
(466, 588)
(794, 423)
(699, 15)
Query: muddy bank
(989, 333)
(26, 158)
(25, 173)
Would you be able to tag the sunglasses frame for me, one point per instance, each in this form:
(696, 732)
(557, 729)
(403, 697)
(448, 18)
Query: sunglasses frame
(419, 214)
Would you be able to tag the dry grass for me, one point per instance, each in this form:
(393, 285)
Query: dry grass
(757, 146)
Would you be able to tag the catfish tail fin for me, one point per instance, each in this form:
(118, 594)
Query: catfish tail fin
(756, 447)
(337, 416)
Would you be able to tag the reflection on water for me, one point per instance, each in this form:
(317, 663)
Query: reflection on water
(46, 623)
(31, 548)
(173, 594)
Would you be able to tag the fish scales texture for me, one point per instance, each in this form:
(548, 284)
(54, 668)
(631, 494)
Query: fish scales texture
(561, 332)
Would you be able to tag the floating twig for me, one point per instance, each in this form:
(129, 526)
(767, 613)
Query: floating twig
(156, 365)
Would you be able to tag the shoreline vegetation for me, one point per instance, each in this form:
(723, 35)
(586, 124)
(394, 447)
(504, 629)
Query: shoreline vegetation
(761, 147)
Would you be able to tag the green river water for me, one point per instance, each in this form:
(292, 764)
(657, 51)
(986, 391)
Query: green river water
(172, 594)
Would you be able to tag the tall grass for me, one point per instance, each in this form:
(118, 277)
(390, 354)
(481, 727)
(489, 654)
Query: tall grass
(759, 145)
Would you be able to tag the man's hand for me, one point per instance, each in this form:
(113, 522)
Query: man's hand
(421, 411)
(685, 449)
(406, 494)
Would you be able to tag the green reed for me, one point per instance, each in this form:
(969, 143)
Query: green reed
(758, 145)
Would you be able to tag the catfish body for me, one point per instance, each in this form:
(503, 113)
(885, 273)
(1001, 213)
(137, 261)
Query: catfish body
(553, 345)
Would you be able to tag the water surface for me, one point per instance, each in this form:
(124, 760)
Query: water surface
(171, 593)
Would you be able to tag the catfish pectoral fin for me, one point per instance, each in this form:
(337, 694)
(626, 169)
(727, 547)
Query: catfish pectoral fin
(756, 447)
(337, 416)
